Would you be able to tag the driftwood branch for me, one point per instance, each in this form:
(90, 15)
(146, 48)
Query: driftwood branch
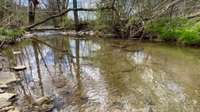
(63, 13)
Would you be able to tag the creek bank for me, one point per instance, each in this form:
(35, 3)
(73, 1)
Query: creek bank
(6, 41)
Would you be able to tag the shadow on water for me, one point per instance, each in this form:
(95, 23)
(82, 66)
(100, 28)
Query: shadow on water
(96, 75)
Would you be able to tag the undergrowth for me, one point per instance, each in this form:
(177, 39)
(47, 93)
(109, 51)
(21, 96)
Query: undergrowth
(6, 33)
(176, 29)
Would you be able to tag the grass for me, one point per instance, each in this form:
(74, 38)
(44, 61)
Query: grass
(6, 33)
(177, 29)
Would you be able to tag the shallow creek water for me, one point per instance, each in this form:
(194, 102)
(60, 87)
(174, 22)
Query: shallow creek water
(107, 75)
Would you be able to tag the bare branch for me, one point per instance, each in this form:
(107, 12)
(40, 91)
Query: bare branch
(63, 13)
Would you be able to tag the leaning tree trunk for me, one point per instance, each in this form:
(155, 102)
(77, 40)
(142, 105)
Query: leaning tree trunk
(76, 15)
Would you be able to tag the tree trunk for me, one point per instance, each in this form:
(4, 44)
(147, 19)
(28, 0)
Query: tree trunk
(31, 11)
(76, 20)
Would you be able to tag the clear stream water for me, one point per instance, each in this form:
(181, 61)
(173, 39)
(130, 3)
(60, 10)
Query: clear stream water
(107, 75)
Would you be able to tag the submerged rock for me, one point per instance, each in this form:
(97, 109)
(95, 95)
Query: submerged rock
(7, 78)
(6, 99)
(19, 68)
(14, 110)
(7, 109)
(85, 99)
(43, 104)
(10, 109)
(42, 100)
(4, 103)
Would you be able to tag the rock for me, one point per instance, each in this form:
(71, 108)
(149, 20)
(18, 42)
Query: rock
(3, 59)
(65, 92)
(4, 103)
(60, 82)
(48, 107)
(116, 110)
(14, 110)
(8, 96)
(84, 98)
(5, 99)
(7, 109)
(28, 35)
(43, 104)
(19, 68)
(1, 67)
(3, 86)
(16, 52)
(91, 33)
(7, 78)
(2, 91)
(42, 100)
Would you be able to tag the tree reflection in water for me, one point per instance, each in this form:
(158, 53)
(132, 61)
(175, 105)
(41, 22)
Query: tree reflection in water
(92, 75)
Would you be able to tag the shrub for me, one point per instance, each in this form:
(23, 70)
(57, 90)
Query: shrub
(177, 29)
(6, 33)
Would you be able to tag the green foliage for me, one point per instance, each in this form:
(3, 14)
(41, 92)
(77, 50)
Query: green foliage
(189, 36)
(66, 22)
(176, 29)
(6, 33)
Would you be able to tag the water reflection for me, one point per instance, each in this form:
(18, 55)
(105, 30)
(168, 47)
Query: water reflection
(84, 75)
